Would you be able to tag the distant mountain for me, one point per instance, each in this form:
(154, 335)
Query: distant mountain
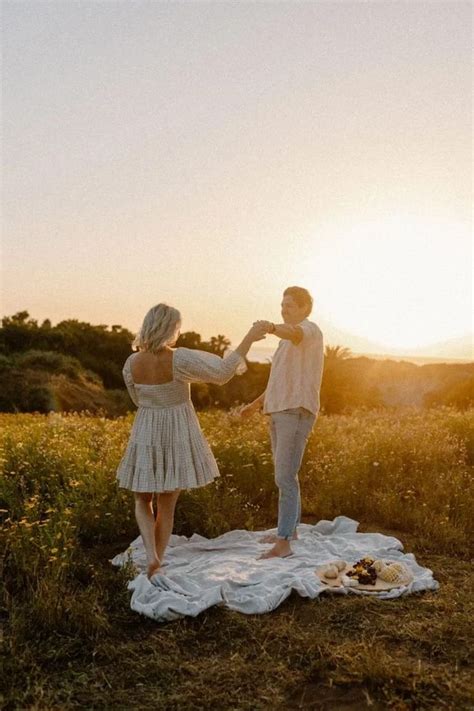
(454, 349)
(460, 348)
(358, 344)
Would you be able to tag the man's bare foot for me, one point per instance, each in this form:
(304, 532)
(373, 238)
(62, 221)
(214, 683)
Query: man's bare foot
(153, 568)
(281, 549)
(273, 538)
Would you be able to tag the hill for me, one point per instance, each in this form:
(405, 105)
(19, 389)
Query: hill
(77, 366)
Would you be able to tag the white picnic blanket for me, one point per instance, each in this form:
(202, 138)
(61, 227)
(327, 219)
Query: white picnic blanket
(201, 572)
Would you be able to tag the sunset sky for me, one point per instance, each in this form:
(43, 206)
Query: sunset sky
(209, 154)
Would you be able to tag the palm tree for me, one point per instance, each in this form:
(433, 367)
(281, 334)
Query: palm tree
(219, 344)
(337, 353)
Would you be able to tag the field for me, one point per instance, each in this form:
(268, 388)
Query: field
(71, 641)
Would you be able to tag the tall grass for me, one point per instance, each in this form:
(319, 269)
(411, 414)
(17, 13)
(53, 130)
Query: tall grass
(408, 471)
(71, 640)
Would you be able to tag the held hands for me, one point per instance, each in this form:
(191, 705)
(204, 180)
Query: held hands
(257, 331)
(267, 325)
(260, 329)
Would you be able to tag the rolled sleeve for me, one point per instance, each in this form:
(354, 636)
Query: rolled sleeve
(194, 366)
(310, 330)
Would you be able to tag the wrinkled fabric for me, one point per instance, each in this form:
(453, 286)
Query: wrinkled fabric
(167, 449)
(201, 572)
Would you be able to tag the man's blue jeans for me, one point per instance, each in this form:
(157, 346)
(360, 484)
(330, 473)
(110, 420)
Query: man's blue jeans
(289, 432)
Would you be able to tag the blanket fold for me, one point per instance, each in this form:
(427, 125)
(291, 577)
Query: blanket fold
(199, 572)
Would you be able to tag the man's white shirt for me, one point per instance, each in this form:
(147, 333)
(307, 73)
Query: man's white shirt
(296, 372)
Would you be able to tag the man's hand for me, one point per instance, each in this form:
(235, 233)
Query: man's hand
(247, 411)
(286, 331)
(257, 331)
(268, 326)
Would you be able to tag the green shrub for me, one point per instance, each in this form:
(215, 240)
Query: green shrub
(51, 362)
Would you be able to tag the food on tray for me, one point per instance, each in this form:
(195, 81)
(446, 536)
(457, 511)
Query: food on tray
(363, 571)
(330, 571)
(392, 572)
(379, 574)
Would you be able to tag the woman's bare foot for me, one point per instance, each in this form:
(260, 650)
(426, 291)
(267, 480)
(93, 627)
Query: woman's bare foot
(273, 538)
(153, 568)
(281, 549)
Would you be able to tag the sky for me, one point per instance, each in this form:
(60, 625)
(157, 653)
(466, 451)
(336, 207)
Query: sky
(209, 154)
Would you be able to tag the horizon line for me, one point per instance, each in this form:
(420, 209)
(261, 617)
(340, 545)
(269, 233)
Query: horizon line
(403, 354)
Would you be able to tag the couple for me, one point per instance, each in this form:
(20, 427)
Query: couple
(167, 451)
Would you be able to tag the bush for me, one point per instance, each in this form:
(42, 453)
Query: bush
(39, 398)
(459, 395)
(51, 362)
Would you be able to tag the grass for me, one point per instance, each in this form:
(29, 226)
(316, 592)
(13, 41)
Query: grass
(71, 640)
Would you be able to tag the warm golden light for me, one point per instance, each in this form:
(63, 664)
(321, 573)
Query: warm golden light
(395, 281)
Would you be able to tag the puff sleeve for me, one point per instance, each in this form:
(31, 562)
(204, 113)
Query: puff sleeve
(127, 376)
(194, 366)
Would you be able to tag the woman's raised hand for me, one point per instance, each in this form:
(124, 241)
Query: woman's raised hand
(267, 325)
(257, 331)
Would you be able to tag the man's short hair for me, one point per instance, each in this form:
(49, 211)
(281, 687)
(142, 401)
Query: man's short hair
(301, 296)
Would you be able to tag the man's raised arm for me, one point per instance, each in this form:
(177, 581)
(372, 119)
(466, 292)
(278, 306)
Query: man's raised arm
(283, 330)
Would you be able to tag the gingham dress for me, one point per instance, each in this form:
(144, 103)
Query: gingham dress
(167, 449)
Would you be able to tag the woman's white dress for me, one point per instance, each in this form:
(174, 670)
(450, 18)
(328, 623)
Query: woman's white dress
(167, 449)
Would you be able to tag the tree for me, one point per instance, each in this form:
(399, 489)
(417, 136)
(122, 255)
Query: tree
(219, 344)
(189, 339)
(18, 332)
(337, 353)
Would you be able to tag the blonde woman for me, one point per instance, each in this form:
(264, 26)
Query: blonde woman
(167, 451)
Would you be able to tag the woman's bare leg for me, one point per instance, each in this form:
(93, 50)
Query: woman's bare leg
(166, 503)
(146, 524)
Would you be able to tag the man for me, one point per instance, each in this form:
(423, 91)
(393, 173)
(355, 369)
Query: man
(292, 401)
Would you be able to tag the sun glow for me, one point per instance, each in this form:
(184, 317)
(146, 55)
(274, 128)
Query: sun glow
(401, 282)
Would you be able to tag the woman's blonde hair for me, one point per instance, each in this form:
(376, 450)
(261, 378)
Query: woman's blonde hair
(159, 328)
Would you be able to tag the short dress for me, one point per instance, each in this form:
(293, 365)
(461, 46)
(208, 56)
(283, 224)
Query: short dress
(167, 449)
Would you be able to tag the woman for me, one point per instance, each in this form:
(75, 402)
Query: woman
(167, 451)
